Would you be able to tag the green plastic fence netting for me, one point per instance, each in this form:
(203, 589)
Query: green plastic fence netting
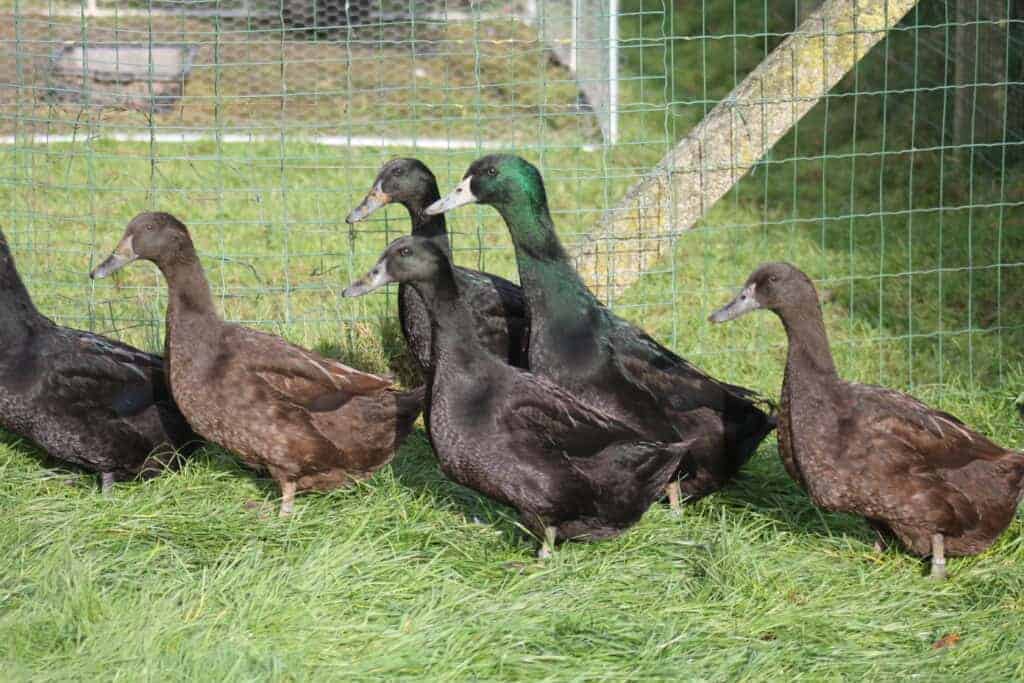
(262, 122)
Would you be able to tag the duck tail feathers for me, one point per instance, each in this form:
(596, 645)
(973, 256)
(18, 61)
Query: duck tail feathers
(410, 404)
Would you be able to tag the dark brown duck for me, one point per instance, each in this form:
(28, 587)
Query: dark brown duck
(499, 310)
(570, 470)
(912, 471)
(309, 421)
(83, 398)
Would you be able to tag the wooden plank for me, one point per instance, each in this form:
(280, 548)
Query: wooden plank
(733, 136)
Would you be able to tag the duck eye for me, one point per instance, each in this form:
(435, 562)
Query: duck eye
(773, 279)
(399, 171)
(492, 171)
(405, 252)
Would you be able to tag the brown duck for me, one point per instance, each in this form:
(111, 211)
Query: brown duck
(309, 421)
(912, 471)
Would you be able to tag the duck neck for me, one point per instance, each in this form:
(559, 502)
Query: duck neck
(188, 290)
(433, 228)
(551, 285)
(17, 312)
(809, 355)
(453, 337)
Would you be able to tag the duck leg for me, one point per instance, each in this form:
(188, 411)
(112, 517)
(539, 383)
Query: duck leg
(938, 558)
(547, 548)
(881, 535)
(674, 493)
(107, 483)
(287, 498)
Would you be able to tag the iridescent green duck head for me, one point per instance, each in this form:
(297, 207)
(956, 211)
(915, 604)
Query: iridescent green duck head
(515, 188)
(498, 180)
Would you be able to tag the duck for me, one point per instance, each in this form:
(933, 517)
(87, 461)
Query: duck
(310, 422)
(606, 361)
(572, 471)
(911, 471)
(499, 310)
(87, 400)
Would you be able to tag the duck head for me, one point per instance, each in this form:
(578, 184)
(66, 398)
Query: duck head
(408, 259)
(403, 181)
(498, 180)
(151, 236)
(773, 286)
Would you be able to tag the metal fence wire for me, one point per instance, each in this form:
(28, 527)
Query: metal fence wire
(262, 122)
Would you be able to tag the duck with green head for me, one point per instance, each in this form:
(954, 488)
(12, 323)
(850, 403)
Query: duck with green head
(605, 360)
(499, 310)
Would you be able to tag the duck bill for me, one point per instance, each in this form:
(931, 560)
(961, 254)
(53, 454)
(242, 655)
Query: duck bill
(121, 257)
(460, 196)
(375, 279)
(374, 200)
(744, 303)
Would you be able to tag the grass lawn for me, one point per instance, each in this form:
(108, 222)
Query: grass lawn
(920, 256)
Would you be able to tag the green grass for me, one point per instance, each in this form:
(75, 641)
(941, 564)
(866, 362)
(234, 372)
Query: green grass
(192, 576)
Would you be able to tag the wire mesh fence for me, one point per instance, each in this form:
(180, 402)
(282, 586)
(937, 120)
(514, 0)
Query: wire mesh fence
(262, 122)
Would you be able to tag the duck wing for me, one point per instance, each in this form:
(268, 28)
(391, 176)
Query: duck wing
(342, 422)
(895, 488)
(543, 416)
(500, 311)
(105, 376)
(498, 308)
(508, 294)
(941, 439)
(657, 371)
(118, 393)
(606, 475)
(302, 377)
